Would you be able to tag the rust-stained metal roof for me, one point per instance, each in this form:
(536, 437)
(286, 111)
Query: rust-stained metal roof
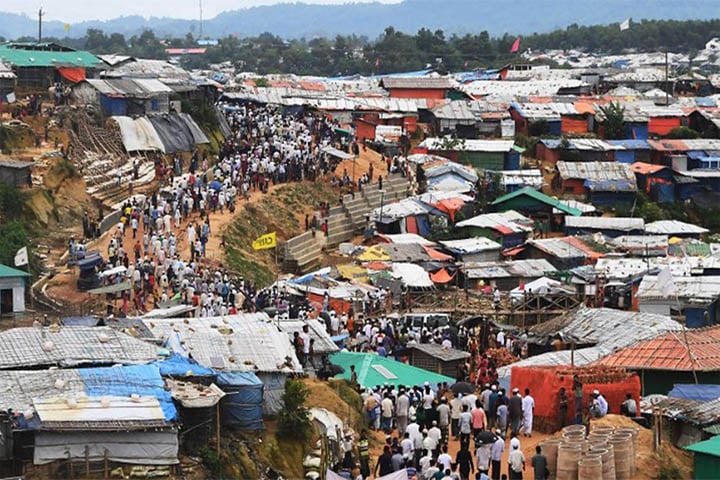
(686, 350)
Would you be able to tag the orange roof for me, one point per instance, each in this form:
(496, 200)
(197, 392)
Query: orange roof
(583, 107)
(441, 276)
(646, 168)
(377, 266)
(697, 349)
(577, 243)
(315, 86)
(439, 256)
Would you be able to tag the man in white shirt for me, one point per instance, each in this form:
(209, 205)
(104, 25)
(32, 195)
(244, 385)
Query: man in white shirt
(401, 412)
(444, 460)
(455, 411)
(528, 409)
(500, 339)
(305, 336)
(443, 413)
(435, 432)
(407, 447)
(516, 461)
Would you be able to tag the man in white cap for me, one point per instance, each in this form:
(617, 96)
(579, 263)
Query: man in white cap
(496, 451)
(516, 461)
(528, 409)
(435, 432)
(599, 406)
(515, 411)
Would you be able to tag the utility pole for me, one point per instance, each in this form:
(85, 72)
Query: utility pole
(201, 21)
(40, 15)
(667, 82)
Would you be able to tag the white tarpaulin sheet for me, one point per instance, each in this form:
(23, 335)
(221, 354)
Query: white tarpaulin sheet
(138, 135)
(114, 271)
(412, 275)
(143, 448)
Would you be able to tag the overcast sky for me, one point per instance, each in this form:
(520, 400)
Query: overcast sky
(72, 11)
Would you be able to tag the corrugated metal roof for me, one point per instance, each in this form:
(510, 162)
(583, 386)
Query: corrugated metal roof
(20, 57)
(563, 247)
(435, 143)
(623, 224)
(506, 222)
(689, 350)
(69, 346)
(9, 272)
(540, 197)
(545, 111)
(242, 342)
(531, 268)
(417, 82)
(530, 178)
(608, 328)
(459, 110)
(576, 205)
(141, 87)
(437, 351)
(582, 144)
(698, 288)
(323, 343)
(674, 227)
(471, 245)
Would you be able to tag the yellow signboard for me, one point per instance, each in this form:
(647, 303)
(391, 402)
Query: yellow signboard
(269, 240)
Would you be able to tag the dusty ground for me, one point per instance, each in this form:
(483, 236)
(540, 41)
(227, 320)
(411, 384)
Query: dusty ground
(649, 463)
(362, 165)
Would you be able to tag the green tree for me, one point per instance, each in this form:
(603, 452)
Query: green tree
(682, 133)
(294, 420)
(614, 114)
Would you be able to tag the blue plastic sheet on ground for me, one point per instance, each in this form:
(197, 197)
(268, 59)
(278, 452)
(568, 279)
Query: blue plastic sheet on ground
(143, 380)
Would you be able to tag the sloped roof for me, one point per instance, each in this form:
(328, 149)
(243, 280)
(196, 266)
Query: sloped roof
(417, 82)
(242, 342)
(540, 197)
(471, 245)
(71, 346)
(646, 168)
(21, 57)
(316, 330)
(607, 328)
(564, 247)
(506, 222)
(437, 351)
(697, 289)
(689, 350)
(623, 224)
(9, 272)
(710, 446)
(47, 390)
(497, 146)
(674, 227)
(597, 172)
(127, 87)
(375, 370)
(530, 268)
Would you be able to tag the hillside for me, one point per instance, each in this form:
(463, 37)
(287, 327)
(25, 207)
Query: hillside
(295, 20)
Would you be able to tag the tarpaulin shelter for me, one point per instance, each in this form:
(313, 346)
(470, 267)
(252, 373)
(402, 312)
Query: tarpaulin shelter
(242, 405)
(247, 342)
(613, 383)
(442, 276)
(375, 370)
(122, 414)
(178, 366)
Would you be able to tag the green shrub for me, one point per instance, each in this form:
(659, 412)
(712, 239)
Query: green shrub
(294, 420)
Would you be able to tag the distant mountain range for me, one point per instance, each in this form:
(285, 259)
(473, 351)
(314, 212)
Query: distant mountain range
(295, 20)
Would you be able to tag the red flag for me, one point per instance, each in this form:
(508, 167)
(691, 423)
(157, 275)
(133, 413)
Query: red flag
(515, 46)
(377, 62)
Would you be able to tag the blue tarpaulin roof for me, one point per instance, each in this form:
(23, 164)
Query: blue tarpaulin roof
(238, 379)
(178, 366)
(696, 154)
(701, 393)
(143, 380)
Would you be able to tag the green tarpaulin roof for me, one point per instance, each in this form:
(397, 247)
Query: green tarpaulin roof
(20, 57)
(540, 197)
(375, 370)
(708, 447)
(7, 272)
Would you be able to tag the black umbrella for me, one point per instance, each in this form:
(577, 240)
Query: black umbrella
(462, 387)
(485, 437)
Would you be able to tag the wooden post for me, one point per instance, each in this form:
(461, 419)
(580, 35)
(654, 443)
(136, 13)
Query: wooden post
(87, 461)
(105, 464)
(217, 429)
(70, 465)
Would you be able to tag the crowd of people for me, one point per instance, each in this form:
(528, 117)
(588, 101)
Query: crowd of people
(161, 239)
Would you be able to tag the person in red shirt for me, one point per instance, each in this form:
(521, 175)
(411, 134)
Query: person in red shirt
(478, 418)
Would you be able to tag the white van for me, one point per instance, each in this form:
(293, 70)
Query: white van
(416, 322)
